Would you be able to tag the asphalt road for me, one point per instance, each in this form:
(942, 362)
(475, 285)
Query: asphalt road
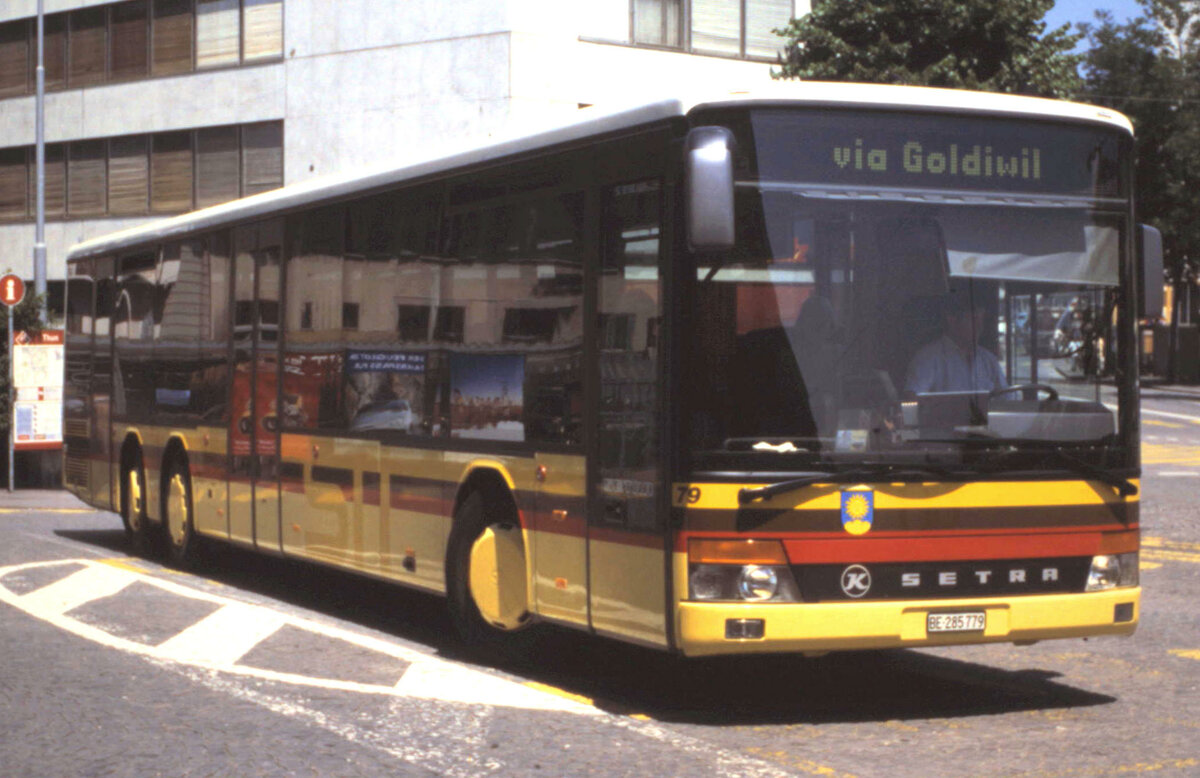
(111, 665)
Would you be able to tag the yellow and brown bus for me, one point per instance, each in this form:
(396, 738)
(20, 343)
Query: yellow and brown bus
(680, 374)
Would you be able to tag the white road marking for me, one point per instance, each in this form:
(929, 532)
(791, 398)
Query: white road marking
(91, 583)
(222, 638)
(1178, 474)
(216, 642)
(196, 654)
(1184, 416)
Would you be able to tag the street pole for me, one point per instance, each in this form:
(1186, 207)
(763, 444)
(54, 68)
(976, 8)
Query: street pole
(39, 246)
(12, 416)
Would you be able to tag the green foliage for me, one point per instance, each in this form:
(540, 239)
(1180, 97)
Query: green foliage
(1149, 69)
(991, 45)
(25, 317)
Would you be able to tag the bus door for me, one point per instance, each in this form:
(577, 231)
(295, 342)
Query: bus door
(626, 546)
(254, 436)
(560, 539)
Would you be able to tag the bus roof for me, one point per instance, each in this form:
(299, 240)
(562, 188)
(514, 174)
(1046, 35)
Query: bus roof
(595, 122)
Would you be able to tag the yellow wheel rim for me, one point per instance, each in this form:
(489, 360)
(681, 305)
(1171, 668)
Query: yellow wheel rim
(135, 500)
(177, 510)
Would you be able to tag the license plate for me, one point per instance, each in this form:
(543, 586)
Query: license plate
(974, 621)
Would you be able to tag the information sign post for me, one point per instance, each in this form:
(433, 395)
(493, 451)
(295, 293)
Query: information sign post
(12, 291)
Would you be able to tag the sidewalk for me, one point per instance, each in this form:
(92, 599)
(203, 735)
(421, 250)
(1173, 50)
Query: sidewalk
(33, 499)
(1162, 387)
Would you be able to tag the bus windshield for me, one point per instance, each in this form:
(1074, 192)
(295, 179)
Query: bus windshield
(905, 324)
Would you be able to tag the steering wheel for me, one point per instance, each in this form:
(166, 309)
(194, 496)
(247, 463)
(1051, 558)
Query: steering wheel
(1025, 389)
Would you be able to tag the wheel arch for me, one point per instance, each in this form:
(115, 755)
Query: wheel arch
(496, 485)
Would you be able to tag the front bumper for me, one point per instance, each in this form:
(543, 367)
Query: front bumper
(818, 627)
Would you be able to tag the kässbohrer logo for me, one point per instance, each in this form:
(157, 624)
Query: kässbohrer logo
(856, 581)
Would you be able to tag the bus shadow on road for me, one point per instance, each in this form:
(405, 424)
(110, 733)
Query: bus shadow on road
(861, 686)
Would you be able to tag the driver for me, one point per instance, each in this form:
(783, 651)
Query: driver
(955, 362)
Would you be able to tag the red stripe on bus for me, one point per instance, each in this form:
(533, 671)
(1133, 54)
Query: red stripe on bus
(939, 549)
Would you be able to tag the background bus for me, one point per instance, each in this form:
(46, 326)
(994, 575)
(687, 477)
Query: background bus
(645, 375)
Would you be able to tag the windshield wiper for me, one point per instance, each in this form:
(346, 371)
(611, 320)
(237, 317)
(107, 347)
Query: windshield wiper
(903, 472)
(1123, 485)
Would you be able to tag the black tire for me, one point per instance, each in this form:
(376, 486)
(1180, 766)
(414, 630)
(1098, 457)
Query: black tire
(180, 541)
(133, 508)
(473, 516)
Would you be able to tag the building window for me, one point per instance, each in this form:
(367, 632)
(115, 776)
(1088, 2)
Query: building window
(413, 324)
(218, 30)
(141, 174)
(449, 325)
(129, 33)
(171, 37)
(137, 39)
(730, 28)
(658, 22)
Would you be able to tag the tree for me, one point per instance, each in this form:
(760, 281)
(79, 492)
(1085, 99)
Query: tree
(1149, 69)
(992, 45)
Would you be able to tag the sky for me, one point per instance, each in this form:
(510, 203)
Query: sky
(1075, 11)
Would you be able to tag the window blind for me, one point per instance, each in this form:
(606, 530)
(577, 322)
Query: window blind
(54, 55)
(128, 175)
(763, 16)
(262, 26)
(128, 38)
(657, 22)
(172, 37)
(218, 33)
(716, 27)
(14, 58)
(217, 165)
(14, 184)
(86, 173)
(87, 46)
(262, 157)
(171, 172)
(56, 179)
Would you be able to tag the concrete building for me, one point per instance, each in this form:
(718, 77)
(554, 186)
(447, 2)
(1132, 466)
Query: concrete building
(155, 107)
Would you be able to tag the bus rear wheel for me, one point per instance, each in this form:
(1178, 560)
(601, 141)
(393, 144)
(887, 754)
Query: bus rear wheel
(485, 580)
(178, 519)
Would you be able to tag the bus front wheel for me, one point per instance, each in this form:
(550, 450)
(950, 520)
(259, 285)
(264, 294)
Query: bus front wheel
(485, 579)
(133, 507)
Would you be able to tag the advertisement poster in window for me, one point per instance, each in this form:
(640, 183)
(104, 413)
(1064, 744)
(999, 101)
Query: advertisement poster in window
(487, 396)
(306, 379)
(385, 390)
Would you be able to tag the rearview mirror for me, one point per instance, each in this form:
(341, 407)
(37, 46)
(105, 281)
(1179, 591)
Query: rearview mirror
(708, 176)
(1150, 262)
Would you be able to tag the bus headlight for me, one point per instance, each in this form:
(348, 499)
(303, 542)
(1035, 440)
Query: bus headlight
(740, 570)
(742, 583)
(757, 583)
(1111, 571)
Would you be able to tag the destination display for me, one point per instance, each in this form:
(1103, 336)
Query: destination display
(931, 152)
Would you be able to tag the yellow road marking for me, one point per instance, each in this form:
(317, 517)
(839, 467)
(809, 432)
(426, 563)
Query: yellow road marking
(803, 765)
(1166, 454)
(1186, 653)
(1157, 423)
(542, 687)
(1172, 556)
(1144, 565)
(1126, 769)
(1157, 542)
(579, 698)
(122, 564)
